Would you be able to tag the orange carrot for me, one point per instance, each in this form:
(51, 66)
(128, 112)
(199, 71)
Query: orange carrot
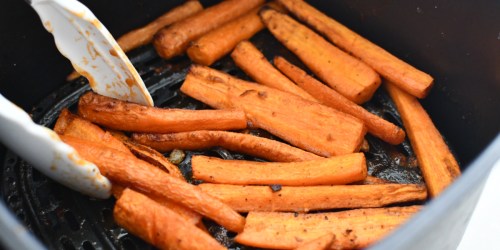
(307, 125)
(153, 157)
(174, 40)
(159, 225)
(353, 229)
(438, 165)
(344, 73)
(248, 58)
(128, 171)
(219, 42)
(121, 115)
(328, 171)
(321, 243)
(311, 198)
(377, 126)
(390, 67)
(370, 180)
(245, 143)
(72, 125)
(144, 35)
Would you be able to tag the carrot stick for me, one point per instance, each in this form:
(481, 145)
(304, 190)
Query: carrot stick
(438, 165)
(354, 229)
(370, 180)
(377, 126)
(248, 58)
(321, 243)
(144, 35)
(304, 124)
(344, 73)
(129, 171)
(153, 157)
(72, 125)
(219, 42)
(159, 225)
(328, 171)
(174, 40)
(245, 143)
(121, 115)
(312, 198)
(390, 67)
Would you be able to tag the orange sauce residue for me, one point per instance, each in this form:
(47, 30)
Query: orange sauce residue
(130, 82)
(113, 52)
(48, 26)
(74, 157)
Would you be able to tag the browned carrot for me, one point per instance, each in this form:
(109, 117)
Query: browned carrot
(129, 171)
(159, 225)
(153, 157)
(254, 63)
(307, 125)
(245, 143)
(344, 73)
(304, 199)
(72, 125)
(144, 35)
(121, 115)
(336, 170)
(174, 40)
(377, 126)
(400, 73)
(437, 163)
(353, 229)
(219, 42)
(370, 180)
(320, 243)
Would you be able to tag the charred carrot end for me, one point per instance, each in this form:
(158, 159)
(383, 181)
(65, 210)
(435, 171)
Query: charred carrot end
(252, 61)
(72, 125)
(321, 243)
(121, 115)
(313, 198)
(390, 67)
(159, 225)
(129, 171)
(439, 166)
(219, 42)
(318, 129)
(344, 73)
(328, 171)
(353, 229)
(377, 126)
(244, 143)
(174, 40)
(144, 35)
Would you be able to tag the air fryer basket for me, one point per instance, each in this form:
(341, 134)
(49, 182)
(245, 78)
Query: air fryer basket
(461, 104)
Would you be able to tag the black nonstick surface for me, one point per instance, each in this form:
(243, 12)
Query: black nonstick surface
(437, 37)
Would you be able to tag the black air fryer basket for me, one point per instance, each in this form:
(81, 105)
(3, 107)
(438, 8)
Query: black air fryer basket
(457, 42)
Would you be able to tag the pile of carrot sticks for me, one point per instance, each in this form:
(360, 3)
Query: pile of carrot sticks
(312, 189)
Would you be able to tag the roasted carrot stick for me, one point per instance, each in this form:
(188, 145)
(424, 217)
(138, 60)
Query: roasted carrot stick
(219, 42)
(72, 125)
(438, 165)
(321, 243)
(354, 229)
(121, 115)
(377, 126)
(174, 40)
(153, 157)
(159, 225)
(336, 170)
(254, 63)
(128, 171)
(390, 67)
(144, 35)
(370, 180)
(304, 199)
(245, 143)
(307, 125)
(344, 73)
